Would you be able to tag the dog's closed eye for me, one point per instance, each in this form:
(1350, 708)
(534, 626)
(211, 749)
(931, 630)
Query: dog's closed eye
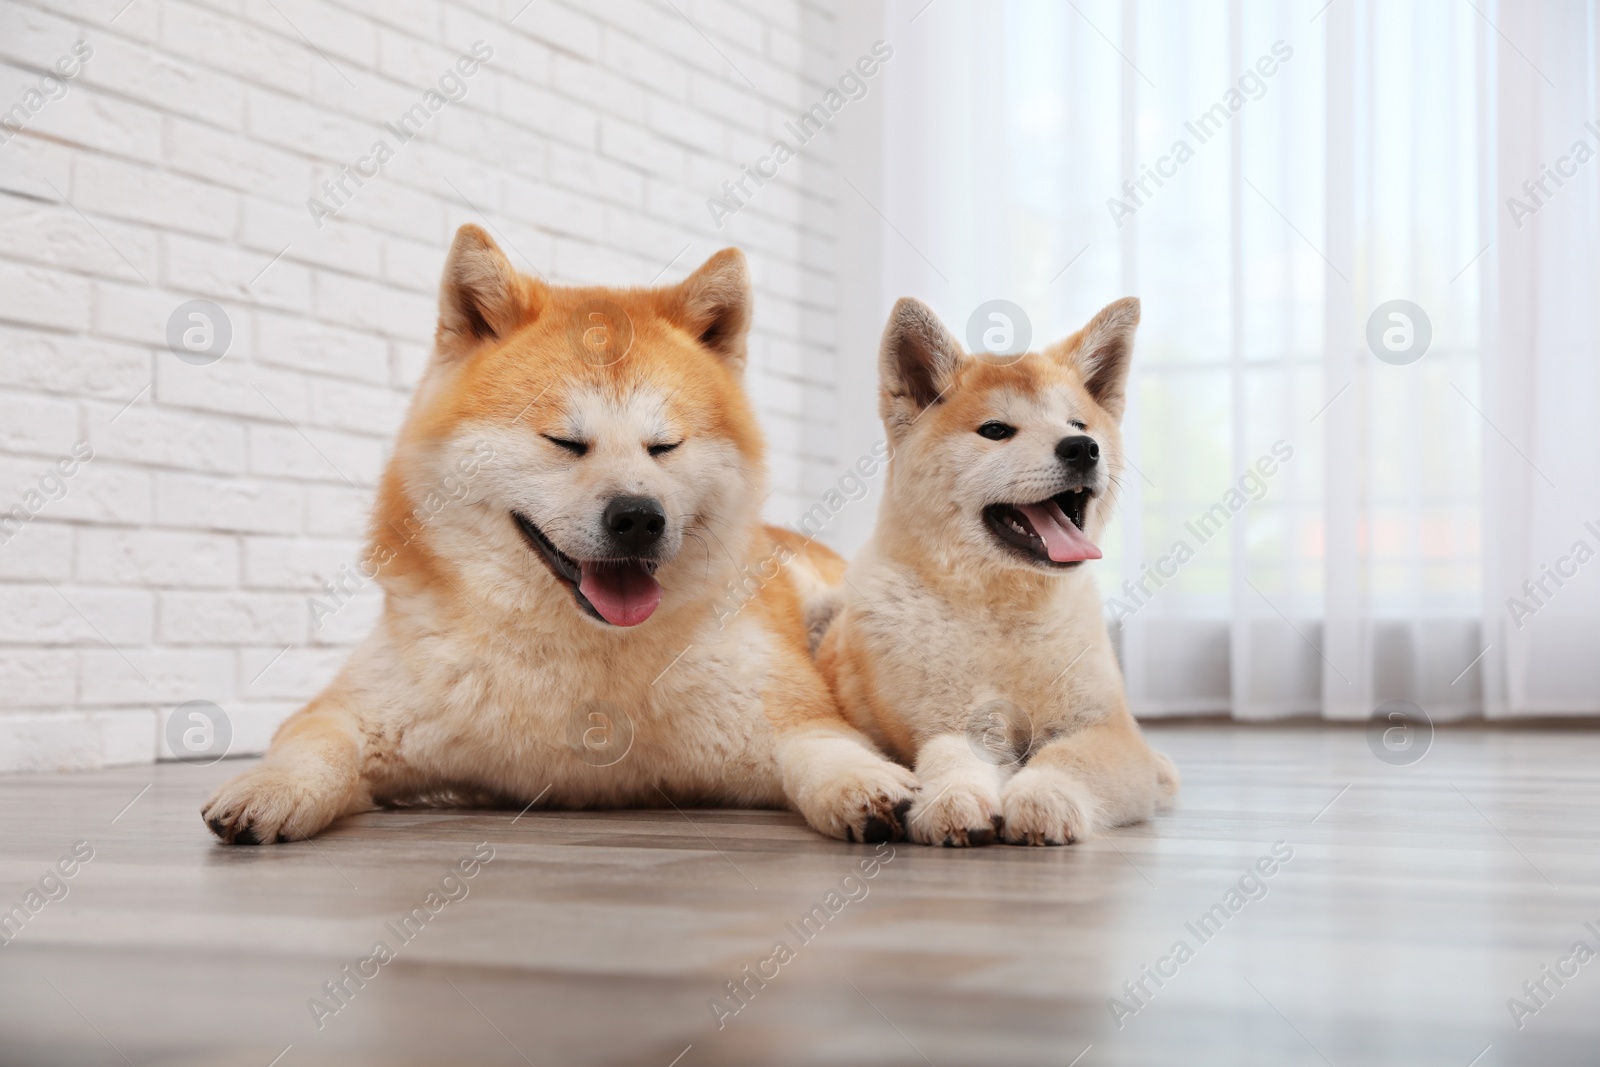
(577, 448)
(661, 450)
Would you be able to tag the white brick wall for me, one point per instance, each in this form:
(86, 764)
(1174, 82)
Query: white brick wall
(178, 562)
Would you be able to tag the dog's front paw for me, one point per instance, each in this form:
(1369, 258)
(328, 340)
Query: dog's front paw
(265, 806)
(845, 790)
(955, 815)
(1167, 778)
(1046, 806)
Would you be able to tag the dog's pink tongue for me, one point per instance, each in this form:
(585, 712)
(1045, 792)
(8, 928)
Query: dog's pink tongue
(624, 594)
(1062, 539)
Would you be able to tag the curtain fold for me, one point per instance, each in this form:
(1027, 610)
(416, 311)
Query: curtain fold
(1541, 373)
(1365, 437)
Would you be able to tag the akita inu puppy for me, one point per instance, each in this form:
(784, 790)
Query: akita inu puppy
(574, 491)
(970, 642)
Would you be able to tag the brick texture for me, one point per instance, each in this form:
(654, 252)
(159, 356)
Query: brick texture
(174, 561)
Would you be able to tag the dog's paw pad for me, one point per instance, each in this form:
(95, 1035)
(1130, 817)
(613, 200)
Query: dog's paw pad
(238, 829)
(879, 830)
(865, 803)
(886, 826)
(1047, 807)
(987, 835)
(266, 806)
(234, 828)
(956, 817)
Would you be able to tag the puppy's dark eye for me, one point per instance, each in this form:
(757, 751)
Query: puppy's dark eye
(577, 448)
(661, 450)
(1077, 425)
(996, 431)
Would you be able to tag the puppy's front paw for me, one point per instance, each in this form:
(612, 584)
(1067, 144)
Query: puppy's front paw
(955, 815)
(1167, 778)
(265, 806)
(1045, 806)
(846, 791)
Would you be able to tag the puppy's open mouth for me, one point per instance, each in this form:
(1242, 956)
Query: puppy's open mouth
(622, 592)
(1049, 532)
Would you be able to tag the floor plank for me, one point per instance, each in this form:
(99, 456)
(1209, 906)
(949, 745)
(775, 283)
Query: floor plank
(1418, 899)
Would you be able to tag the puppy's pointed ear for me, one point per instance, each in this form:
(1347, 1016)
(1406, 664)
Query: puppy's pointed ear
(481, 296)
(713, 305)
(917, 360)
(1103, 351)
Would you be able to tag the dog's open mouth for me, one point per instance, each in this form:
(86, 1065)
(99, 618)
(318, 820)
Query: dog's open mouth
(1049, 532)
(622, 592)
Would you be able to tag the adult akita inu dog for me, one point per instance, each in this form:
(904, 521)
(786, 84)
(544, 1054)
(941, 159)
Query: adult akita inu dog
(576, 487)
(970, 640)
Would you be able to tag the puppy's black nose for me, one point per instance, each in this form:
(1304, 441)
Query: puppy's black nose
(1079, 453)
(636, 523)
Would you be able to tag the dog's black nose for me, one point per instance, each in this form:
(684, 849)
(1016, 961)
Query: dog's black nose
(636, 523)
(1079, 453)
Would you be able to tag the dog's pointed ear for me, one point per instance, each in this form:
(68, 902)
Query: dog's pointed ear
(917, 360)
(713, 305)
(481, 296)
(1103, 351)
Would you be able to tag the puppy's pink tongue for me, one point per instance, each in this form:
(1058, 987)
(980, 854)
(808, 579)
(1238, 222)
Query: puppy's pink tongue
(1062, 539)
(624, 594)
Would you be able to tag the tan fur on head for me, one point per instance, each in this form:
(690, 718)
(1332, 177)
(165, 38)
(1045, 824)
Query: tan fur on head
(933, 396)
(917, 361)
(481, 295)
(1103, 353)
(714, 306)
(490, 673)
(944, 619)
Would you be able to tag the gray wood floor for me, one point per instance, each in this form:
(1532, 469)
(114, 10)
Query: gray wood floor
(1417, 901)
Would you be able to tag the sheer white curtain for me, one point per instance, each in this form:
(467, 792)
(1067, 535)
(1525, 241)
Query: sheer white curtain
(1308, 528)
(1541, 377)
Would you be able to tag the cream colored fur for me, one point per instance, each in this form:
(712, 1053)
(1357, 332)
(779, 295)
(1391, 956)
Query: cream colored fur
(946, 641)
(484, 679)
